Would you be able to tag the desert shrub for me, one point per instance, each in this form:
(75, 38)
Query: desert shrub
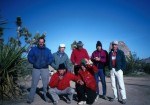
(134, 64)
(11, 59)
(146, 68)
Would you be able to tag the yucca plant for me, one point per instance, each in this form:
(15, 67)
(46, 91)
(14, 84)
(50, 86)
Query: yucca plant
(10, 60)
(12, 63)
(74, 45)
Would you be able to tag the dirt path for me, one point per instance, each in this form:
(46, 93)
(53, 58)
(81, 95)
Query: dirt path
(138, 93)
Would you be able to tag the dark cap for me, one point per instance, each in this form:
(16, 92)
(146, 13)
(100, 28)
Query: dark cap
(98, 44)
(61, 66)
(80, 44)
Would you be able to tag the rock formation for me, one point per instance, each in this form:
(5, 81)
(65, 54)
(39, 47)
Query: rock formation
(123, 47)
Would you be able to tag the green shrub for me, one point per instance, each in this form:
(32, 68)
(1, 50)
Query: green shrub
(146, 68)
(11, 59)
(133, 65)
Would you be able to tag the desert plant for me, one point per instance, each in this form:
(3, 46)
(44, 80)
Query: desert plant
(22, 31)
(11, 59)
(146, 67)
(13, 63)
(134, 64)
(74, 45)
(2, 23)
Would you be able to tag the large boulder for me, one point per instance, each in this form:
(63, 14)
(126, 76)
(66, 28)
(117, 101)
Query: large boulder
(122, 46)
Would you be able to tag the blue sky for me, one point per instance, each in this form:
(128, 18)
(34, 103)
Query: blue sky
(85, 20)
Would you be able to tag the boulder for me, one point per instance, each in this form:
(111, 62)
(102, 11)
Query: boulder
(122, 46)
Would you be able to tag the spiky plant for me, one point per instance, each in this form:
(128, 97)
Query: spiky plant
(74, 45)
(10, 60)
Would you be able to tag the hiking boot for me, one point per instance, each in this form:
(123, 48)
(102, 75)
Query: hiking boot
(113, 99)
(123, 101)
(49, 101)
(29, 101)
(55, 102)
(68, 102)
(105, 97)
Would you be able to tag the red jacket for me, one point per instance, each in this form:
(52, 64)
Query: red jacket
(77, 55)
(62, 84)
(87, 76)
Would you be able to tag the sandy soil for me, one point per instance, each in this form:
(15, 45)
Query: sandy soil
(137, 88)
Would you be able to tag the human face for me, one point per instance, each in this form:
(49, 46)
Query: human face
(41, 42)
(99, 48)
(80, 47)
(83, 68)
(62, 49)
(115, 47)
(62, 71)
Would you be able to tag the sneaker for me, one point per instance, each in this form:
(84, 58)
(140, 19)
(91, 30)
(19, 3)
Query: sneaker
(96, 99)
(123, 101)
(82, 102)
(113, 99)
(105, 97)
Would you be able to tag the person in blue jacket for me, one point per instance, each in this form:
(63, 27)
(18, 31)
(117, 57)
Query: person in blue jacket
(40, 56)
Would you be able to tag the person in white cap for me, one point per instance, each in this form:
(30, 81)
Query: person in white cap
(117, 64)
(60, 57)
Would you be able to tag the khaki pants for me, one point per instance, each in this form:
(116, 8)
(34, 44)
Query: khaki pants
(54, 92)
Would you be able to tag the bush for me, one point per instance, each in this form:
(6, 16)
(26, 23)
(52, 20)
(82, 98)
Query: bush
(133, 65)
(146, 68)
(11, 59)
(12, 63)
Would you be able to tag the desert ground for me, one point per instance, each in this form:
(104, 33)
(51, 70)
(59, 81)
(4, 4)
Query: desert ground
(137, 88)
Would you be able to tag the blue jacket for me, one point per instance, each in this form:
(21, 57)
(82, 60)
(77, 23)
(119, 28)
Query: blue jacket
(40, 57)
(120, 60)
(59, 58)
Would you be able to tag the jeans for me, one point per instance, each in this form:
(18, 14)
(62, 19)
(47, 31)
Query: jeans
(36, 73)
(54, 92)
(119, 76)
(101, 74)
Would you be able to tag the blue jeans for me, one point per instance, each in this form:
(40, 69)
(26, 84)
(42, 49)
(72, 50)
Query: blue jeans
(101, 74)
(36, 73)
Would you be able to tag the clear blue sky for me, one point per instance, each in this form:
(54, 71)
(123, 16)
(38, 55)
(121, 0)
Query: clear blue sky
(85, 20)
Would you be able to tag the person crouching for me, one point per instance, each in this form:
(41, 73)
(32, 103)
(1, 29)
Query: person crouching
(87, 91)
(60, 84)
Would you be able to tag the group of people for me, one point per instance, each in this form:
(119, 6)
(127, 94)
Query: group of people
(81, 68)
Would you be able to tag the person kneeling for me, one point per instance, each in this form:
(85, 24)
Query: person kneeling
(60, 84)
(87, 91)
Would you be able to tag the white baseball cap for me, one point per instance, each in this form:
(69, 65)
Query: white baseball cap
(115, 42)
(62, 45)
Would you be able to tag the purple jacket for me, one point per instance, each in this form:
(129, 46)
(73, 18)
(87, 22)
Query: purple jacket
(102, 55)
